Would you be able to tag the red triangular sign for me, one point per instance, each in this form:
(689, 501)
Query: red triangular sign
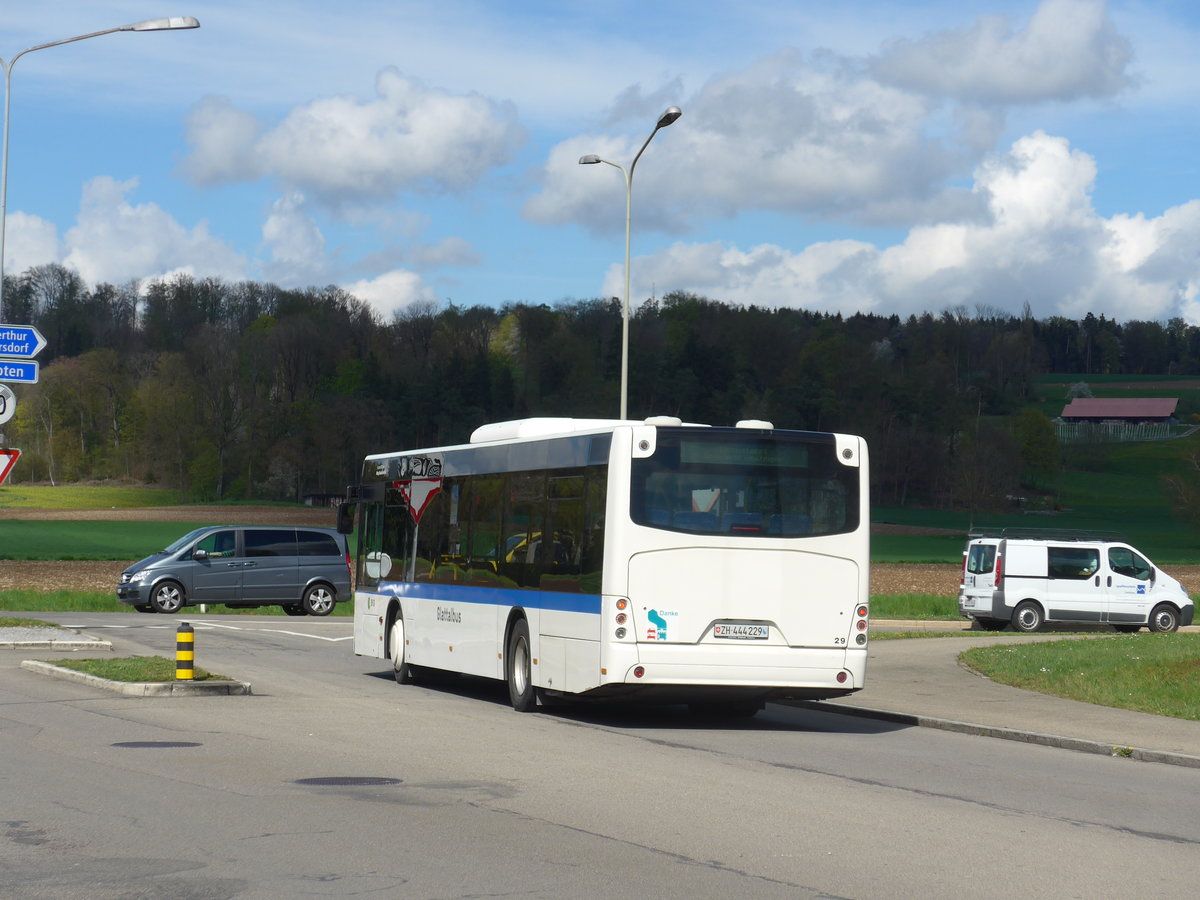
(418, 492)
(8, 459)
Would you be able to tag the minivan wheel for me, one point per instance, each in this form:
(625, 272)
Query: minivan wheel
(318, 600)
(1164, 618)
(167, 597)
(1027, 617)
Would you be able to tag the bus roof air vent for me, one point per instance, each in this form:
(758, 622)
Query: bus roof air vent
(664, 421)
(756, 423)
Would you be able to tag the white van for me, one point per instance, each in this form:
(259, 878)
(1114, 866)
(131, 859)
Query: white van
(1029, 578)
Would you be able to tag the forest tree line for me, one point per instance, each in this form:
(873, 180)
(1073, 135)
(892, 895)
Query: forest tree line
(250, 391)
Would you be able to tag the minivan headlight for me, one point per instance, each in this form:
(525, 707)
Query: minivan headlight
(133, 578)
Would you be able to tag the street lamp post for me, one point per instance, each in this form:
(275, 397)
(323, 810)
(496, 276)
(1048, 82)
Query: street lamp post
(664, 120)
(171, 23)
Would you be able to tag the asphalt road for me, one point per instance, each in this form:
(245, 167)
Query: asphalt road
(333, 781)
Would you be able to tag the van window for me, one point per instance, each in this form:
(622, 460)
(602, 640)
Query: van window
(219, 544)
(1073, 562)
(982, 559)
(270, 542)
(316, 543)
(1124, 561)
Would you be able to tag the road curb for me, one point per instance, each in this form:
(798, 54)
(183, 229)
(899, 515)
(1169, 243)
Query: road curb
(214, 687)
(56, 645)
(1008, 734)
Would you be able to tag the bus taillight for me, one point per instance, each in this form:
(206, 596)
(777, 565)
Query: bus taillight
(639, 671)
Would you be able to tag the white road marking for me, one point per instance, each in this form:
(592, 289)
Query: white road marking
(215, 625)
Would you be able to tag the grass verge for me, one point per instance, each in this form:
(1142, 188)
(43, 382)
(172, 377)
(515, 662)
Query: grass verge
(132, 668)
(915, 606)
(17, 622)
(100, 601)
(1151, 673)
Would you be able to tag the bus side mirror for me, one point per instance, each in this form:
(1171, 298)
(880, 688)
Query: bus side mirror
(345, 518)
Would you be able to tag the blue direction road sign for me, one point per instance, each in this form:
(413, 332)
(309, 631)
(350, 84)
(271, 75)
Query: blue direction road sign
(21, 341)
(18, 371)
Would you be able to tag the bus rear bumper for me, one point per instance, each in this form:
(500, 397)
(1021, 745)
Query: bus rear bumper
(803, 673)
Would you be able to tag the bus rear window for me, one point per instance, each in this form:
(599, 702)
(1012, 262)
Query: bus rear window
(731, 484)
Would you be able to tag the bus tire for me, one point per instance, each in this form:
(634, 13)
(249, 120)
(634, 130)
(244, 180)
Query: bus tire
(167, 597)
(1027, 617)
(518, 668)
(1164, 619)
(400, 667)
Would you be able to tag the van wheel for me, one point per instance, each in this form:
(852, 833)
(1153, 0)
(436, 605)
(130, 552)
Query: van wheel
(1164, 619)
(400, 668)
(318, 600)
(518, 669)
(1027, 617)
(167, 597)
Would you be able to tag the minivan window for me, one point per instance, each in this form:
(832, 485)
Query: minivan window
(1124, 561)
(1073, 562)
(982, 559)
(219, 544)
(316, 543)
(270, 541)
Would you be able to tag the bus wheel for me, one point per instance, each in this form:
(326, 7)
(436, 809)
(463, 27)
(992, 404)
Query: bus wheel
(400, 667)
(1027, 617)
(1164, 618)
(518, 668)
(166, 597)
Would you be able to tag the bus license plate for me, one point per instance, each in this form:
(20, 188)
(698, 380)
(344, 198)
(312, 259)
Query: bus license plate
(740, 632)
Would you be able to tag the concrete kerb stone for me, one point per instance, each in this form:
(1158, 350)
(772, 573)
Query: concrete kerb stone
(207, 688)
(86, 644)
(1008, 734)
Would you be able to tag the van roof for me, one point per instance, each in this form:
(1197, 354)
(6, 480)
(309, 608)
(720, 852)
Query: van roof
(1047, 534)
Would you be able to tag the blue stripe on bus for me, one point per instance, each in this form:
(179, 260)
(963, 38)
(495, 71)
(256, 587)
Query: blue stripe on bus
(449, 593)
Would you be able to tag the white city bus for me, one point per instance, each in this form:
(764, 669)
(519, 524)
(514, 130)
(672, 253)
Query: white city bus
(719, 567)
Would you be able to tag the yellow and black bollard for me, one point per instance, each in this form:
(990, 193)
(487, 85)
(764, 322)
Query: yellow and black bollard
(185, 652)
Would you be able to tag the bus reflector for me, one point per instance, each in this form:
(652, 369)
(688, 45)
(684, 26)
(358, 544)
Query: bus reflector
(841, 677)
(621, 617)
(639, 671)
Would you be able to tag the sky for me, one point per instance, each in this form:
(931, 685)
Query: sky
(882, 156)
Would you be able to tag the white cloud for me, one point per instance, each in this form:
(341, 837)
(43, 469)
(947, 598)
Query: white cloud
(879, 141)
(116, 241)
(1069, 49)
(391, 292)
(342, 149)
(29, 241)
(295, 244)
(1043, 243)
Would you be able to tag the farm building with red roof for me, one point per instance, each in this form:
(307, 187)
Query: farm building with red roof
(1131, 410)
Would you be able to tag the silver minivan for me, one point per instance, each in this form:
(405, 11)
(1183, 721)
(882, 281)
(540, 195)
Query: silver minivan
(304, 570)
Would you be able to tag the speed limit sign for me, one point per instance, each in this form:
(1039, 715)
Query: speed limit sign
(8, 403)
